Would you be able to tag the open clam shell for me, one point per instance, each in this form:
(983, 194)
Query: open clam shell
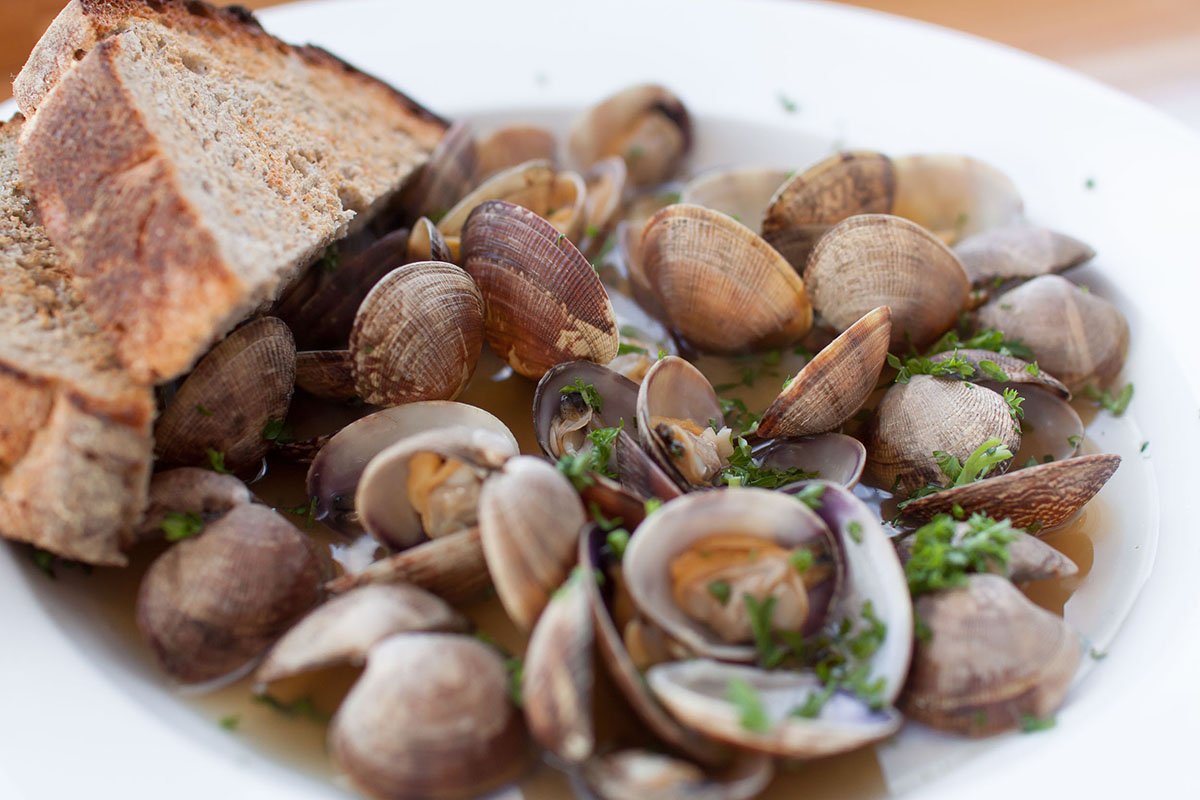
(1051, 429)
(640, 474)
(954, 196)
(647, 126)
(426, 243)
(417, 335)
(335, 472)
(556, 685)
(430, 717)
(545, 304)
(741, 192)
(874, 260)
(344, 629)
(674, 389)
(224, 404)
(562, 419)
(776, 519)
(605, 183)
(557, 197)
(639, 774)
(703, 265)
(1039, 497)
(834, 457)
(1019, 251)
(992, 659)
(835, 383)
(930, 414)
(384, 499)
(1075, 335)
(512, 145)
(451, 567)
(530, 547)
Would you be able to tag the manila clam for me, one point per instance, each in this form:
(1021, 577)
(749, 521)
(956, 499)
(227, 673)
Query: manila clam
(647, 126)
(512, 145)
(1018, 251)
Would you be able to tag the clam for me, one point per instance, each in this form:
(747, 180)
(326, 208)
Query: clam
(223, 405)
(211, 604)
(954, 196)
(563, 415)
(703, 266)
(188, 490)
(639, 774)
(417, 335)
(1076, 336)
(529, 546)
(876, 260)
(605, 183)
(639, 473)
(677, 412)
(322, 315)
(335, 472)
(428, 485)
(556, 197)
(1051, 429)
(745, 542)
(445, 177)
(834, 457)
(544, 302)
(426, 243)
(1038, 497)
(1029, 558)
(741, 192)
(835, 383)
(430, 717)
(930, 414)
(327, 374)
(647, 126)
(451, 566)
(1019, 251)
(993, 659)
(512, 145)
(556, 684)
(344, 629)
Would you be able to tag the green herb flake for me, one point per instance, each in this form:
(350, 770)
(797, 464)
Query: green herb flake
(945, 551)
(1014, 401)
(770, 654)
(230, 723)
(636, 151)
(216, 461)
(588, 392)
(751, 713)
(993, 371)
(617, 540)
(179, 525)
(854, 529)
(720, 590)
(802, 559)
(278, 431)
(202, 411)
(43, 560)
(1074, 439)
(772, 358)
(1113, 404)
(744, 471)
(624, 348)
(331, 259)
(787, 104)
(1097, 655)
(1033, 369)
(953, 367)
(810, 495)
(1032, 724)
(301, 708)
(515, 667)
(1142, 449)
(1089, 184)
(591, 231)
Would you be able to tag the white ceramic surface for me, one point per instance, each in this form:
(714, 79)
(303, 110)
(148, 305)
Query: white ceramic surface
(82, 717)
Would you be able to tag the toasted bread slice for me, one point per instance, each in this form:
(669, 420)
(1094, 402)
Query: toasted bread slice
(75, 446)
(188, 165)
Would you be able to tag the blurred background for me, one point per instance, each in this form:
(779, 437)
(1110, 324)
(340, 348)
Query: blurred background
(1149, 48)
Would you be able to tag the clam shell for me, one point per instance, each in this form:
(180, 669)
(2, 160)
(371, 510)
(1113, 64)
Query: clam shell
(344, 629)
(1044, 496)
(545, 303)
(954, 196)
(382, 499)
(556, 686)
(927, 414)
(703, 266)
(334, 474)
(534, 185)
(327, 374)
(227, 400)
(1029, 558)
(676, 389)
(640, 474)
(992, 658)
(1050, 427)
(843, 185)
(605, 183)
(512, 145)
(639, 774)
(618, 393)
(835, 383)
(1076, 336)
(741, 192)
(430, 717)
(648, 126)
(426, 243)
(451, 567)
(1019, 251)
(446, 176)
(876, 260)
(529, 546)
(835, 457)
(667, 533)
(417, 335)
(188, 490)
(1015, 370)
(211, 604)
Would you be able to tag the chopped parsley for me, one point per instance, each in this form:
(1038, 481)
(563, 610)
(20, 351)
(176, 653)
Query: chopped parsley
(180, 525)
(802, 559)
(944, 551)
(216, 461)
(43, 560)
(854, 530)
(1113, 404)
(230, 723)
(1074, 439)
(993, 371)
(617, 537)
(202, 411)
(331, 259)
(278, 431)
(591, 231)
(515, 667)
(1142, 449)
(840, 655)
(1089, 184)
(989, 339)
(953, 367)
(635, 152)
(811, 495)
(1031, 724)
(720, 590)
(770, 654)
(1097, 655)
(588, 392)
(1014, 401)
(576, 466)
(624, 348)
(308, 511)
(738, 417)
(743, 471)
(751, 713)
(787, 104)
(302, 707)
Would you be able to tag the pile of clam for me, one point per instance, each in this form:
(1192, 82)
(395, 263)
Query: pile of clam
(742, 601)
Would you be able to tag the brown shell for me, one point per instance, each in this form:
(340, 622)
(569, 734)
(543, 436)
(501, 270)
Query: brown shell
(743, 193)
(841, 186)
(452, 567)
(876, 260)
(927, 414)
(445, 178)
(1043, 496)
(188, 490)
(430, 717)
(327, 374)
(511, 145)
(992, 660)
(1019, 251)
(704, 266)
(1076, 336)
(529, 546)
(646, 125)
(211, 604)
(605, 183)
(544, 302)
(1015, 370)
(954, 196)
(227, 400)
(426, 243)
(417, 335)
(835, 384)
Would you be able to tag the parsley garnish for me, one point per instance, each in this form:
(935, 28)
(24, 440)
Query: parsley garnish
(216, 461)
(308, 510)
(625, 348)
(811, 495)
(854, 529)
(202, 411)
(588, 392)
(986, 456)
(840, 656)
(515, 667)
(738, 417)
(635, 152)
(953, 367)
(802, 559)
(331, 259)
(993, 371)
(1074, 440)
(591, 231)
(278, 431)
(1143, 447)
(43, 560)
(1089, 184)
(576, 466)
(720, 590)
(788, 104)
(1014, 401)
(751, 712)
(743, 471)
(769, 653)
(300, 707)
(179, 525)
(230, 723)
(945, 551)
(652, 505)
(1115, 405)
(989, 339)
(1031, 724)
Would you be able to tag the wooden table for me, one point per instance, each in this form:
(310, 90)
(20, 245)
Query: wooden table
(1150, 48)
